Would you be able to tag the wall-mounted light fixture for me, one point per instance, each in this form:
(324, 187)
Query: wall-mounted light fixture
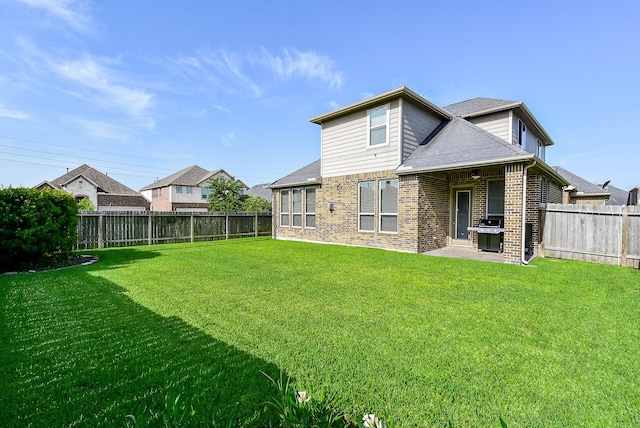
(475, 174)
(331, 206)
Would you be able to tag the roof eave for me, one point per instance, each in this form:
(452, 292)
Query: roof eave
(402, 91)
(308, 182)
(411, 170)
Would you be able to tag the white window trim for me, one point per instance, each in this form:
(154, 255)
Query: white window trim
(288, 211)
(388, 113)
(381, 214)
(305, 213)
(301, 213)
(360, 214)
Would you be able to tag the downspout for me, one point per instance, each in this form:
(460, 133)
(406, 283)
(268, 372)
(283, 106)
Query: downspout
(524, 210)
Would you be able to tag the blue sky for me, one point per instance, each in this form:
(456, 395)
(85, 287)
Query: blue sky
(141, 89)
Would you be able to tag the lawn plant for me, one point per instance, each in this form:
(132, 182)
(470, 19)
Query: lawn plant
(413, 339)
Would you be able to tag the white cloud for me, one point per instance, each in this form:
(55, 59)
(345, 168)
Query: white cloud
(229, 139)
(97, 84)
(233, 72)
(13, 114)
(75, 13)
(101, 129)
(309, 65)
(221, 108)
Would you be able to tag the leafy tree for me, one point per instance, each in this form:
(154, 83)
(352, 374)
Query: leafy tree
(226, 195)
(257, 204)
(85, 204)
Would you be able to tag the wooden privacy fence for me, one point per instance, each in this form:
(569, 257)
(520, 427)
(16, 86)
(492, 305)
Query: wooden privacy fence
(601, 234)
(102, 229)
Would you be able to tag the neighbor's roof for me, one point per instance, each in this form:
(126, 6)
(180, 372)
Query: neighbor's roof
(309, 174)
(481, 106)
(618, 196)
(402, 91)
(260, 190)
(190, 176)
(102, 181)
(582, 186)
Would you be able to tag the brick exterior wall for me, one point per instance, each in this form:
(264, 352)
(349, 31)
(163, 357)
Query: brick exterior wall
(160, 199)
(426, 210)
(341, 225)
(122, 201)
(434, 213)
(513, 177)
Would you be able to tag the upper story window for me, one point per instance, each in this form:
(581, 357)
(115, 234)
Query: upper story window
(378, 121)
(205, 193)
(189, 189)
(541, 149)
(178, 189)
(522, 134)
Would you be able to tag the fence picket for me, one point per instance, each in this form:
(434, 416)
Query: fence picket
(103, 229)
(601, 234)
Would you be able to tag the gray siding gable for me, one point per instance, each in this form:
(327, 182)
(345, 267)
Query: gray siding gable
(461, 144)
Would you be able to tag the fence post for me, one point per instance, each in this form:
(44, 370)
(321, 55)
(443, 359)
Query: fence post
(255, 224)
(625, 237)
(100, 233)
(191, 228)
(149, 228)
(226, 226)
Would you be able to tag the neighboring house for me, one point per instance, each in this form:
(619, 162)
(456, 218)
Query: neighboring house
(261, 190)
(104, 192)
(185, 190)
(398, 172)
(634, 196)
(581, 191)
(618, 196)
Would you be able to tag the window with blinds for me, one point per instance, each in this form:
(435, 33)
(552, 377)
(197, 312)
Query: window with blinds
(284, 207)
(389, 205)
(366, 206)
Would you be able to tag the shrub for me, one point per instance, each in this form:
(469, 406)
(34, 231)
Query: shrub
(36, 226)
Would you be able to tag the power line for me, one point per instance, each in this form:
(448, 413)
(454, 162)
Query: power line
(78, 157)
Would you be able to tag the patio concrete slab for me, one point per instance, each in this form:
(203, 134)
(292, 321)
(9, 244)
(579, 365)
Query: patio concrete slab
(467, 253)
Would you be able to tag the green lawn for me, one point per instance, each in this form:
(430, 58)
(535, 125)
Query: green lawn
(427, 341)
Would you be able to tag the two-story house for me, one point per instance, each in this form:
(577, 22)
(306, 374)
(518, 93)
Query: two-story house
(185, 190)
(398, 172)
(105, 193)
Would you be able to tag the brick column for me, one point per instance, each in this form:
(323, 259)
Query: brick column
(513, 199)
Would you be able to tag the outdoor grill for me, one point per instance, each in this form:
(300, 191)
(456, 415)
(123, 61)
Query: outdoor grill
(490, 234)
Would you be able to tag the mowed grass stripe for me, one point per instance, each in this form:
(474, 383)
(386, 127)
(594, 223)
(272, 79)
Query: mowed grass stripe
(427, 340)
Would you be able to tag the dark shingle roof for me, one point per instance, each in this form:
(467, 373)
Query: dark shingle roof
(104, 182)
(618, 196)
(581, 185)
(190, 176)
(306, 175)
(260, 190)
(461, 144)
(477, 105)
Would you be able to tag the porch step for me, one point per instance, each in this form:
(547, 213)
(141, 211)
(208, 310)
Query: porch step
(461, 243)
